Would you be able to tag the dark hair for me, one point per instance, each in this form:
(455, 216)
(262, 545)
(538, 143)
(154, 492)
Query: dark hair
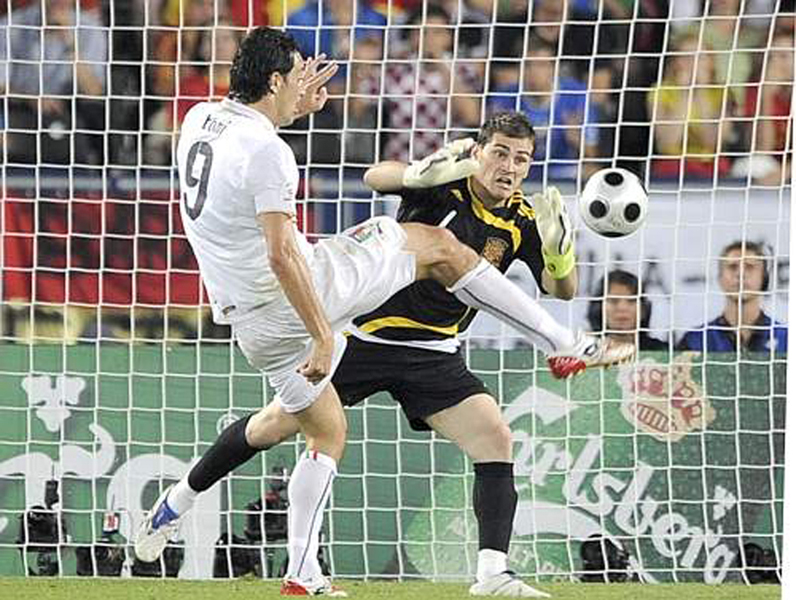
(263, 52)
(422, 14)
(751, 249)
(618, 276)
(510, 123)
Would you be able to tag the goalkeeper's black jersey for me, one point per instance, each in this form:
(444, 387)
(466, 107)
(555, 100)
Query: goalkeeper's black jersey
(425, 311)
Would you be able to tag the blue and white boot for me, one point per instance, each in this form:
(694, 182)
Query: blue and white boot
(159, 526)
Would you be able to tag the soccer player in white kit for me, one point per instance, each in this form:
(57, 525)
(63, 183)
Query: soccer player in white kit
(287, 300)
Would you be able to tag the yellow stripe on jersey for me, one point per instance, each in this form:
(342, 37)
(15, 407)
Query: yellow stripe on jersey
(458, 195)
(526, 211)
(487, 217)
(384, 322)
(522, 208)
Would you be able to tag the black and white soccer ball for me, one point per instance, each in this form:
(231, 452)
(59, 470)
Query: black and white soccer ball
(613, 203)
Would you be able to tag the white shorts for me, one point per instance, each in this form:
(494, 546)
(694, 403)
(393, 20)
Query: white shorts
(353, 272)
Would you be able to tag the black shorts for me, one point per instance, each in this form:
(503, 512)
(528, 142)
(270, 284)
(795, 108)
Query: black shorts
(423, 382)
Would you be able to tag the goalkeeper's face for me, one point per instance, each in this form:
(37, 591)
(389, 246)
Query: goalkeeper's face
(503, 164)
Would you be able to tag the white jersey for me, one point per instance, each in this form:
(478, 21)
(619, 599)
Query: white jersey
(233, 166)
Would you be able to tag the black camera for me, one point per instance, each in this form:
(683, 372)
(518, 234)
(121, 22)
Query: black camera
(105, 557)
(266, 518)
(604, 561)
(266, 524)
(240, 556)
(106, 554)
(759, 565)
(41, 533)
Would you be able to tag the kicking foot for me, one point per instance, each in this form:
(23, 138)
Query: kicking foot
(159, 526)
(323, 587)
(590, 351)
(506, 584)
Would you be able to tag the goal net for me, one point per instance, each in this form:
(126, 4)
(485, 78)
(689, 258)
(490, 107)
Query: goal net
(113, 378)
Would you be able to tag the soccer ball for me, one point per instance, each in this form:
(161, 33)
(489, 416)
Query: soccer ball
(613, 203)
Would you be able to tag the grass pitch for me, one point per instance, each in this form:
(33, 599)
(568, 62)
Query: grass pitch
(138, 589)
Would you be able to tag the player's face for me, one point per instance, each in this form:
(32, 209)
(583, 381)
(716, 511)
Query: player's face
(621, 313)
(289, 92)
(741, 275)
(503, 164)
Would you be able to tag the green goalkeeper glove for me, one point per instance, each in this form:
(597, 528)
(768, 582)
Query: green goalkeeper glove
(555, 229)
(449, 163)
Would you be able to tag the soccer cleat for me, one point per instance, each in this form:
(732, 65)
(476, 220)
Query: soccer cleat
(506, 584)
(324, 587)
(158, 527)
(590, 351)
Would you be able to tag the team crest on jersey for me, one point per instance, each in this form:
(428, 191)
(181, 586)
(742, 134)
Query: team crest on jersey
(494, 249)
(664, 400)
(364, 232)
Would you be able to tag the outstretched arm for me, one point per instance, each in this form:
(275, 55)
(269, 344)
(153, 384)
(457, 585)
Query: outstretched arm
(386, 176)
(449, 163)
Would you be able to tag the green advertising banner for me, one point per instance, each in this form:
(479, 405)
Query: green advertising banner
(679, 461)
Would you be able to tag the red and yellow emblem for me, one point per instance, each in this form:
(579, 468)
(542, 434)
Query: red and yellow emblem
(494, 249)
(665, 401)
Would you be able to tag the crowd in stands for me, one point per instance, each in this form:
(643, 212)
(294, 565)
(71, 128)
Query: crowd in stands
(693, 88)
(672, 89)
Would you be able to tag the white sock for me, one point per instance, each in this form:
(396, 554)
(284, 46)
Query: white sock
(488, 289)
(308, 492)
(181, 497)
(490, 563)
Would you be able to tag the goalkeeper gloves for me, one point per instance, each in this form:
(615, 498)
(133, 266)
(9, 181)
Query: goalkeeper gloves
(555, 229)
(449, 163)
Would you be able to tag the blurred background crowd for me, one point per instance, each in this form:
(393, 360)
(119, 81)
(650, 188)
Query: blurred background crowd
(676, 90)
(693, 88)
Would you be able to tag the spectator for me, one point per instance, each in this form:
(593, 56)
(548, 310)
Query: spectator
(768, 128)
(623, 312)
(475, 20)
(734, 42)
(196, 85)
(687, 112)
(333, 34)
(560, 113)
(363, 107)
(427, 97)
(603, 100)
(571, 34)
(195, 20)
(179, 52)
(213, 81)
(63, 63)
(648, 32)
(744, 277)
(345, 130)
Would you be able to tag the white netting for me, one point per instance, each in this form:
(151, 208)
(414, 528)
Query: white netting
(113, 378)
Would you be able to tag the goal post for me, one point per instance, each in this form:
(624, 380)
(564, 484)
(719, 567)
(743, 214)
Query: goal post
(113, 378)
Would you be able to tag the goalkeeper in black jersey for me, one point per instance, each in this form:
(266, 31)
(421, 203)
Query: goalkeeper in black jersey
(409, 346)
